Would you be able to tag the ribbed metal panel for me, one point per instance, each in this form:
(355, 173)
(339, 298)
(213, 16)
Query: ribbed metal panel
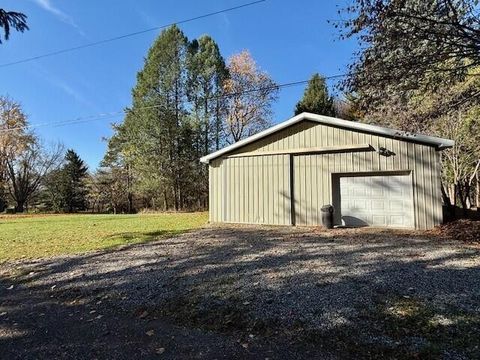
(257, 189)
(251, 190)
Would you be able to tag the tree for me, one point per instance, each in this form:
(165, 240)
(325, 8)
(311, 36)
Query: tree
(177, 116)
(206, 74)
(12, 19)
(410, 44)
(27, 169)
(316, 99)
(65, 188)
(74, 173)
(348, 108)
(107, 191)
(119, 161)
(151, 131)
(53, 190)
(14, 138)
(461, 163)
(250, 93)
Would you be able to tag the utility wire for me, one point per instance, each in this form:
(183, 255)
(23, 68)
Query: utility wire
(107, 115)
(120, 37)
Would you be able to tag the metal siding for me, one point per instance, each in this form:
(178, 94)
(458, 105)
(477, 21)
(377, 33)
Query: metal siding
(256, 189)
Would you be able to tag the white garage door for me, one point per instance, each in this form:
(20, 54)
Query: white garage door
(377, 201)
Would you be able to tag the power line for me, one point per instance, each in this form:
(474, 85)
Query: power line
(120, 37)
(107, 115)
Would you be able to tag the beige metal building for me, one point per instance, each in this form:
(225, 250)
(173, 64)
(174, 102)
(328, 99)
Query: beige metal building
(370, 174)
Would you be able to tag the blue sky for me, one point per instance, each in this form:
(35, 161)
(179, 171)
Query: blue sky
(288, 39)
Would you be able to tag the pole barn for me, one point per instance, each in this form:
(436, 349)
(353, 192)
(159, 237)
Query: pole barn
(373, 176)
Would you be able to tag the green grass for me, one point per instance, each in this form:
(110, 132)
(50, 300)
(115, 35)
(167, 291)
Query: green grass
(47, 235)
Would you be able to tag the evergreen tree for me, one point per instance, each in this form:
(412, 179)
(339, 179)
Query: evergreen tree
(178, 115)
(53, 194)
(12, 19)
(316, 99)
(73, 175)
(206, 73)
(151, 131)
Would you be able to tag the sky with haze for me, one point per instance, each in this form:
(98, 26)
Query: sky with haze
(289, 39)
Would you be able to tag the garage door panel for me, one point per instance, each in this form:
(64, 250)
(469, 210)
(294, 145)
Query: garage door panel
(379, 220)
(378, 192)
(396, 205)
(378, 205)
(396, 220)
(377, 200)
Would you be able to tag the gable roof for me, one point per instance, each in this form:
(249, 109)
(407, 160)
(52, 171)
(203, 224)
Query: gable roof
(438, 143)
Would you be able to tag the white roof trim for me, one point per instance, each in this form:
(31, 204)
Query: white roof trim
(439, 143)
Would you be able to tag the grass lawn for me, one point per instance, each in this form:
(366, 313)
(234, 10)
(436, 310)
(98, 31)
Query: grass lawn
(46, 235)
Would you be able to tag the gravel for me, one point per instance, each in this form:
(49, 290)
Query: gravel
(253, 292)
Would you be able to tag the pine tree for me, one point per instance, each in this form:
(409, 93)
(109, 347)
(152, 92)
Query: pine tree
(73, 174)
(151, 131)
(206, 74)
(12, 20)
(316, 99)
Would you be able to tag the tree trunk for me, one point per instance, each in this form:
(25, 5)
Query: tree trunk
(165, 200)
(477, 200)
(207, 126)
(20, 208)
(446, 199)
(462, 195)
(453, 193)
(129, 191)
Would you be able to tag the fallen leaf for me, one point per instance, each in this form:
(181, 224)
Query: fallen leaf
(160, 350)
(150, 333)
(143, 315)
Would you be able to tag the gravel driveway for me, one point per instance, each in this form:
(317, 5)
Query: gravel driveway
(249, 292)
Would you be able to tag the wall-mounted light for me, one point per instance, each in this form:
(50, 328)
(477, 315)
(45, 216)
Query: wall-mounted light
(385, 152)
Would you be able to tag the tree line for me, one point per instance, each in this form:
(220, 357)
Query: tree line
(187, 102)
(418, 70)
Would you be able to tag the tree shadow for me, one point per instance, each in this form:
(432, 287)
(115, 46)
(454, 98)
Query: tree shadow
(253, 292)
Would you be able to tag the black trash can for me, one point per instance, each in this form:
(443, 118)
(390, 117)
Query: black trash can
(327, 216)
